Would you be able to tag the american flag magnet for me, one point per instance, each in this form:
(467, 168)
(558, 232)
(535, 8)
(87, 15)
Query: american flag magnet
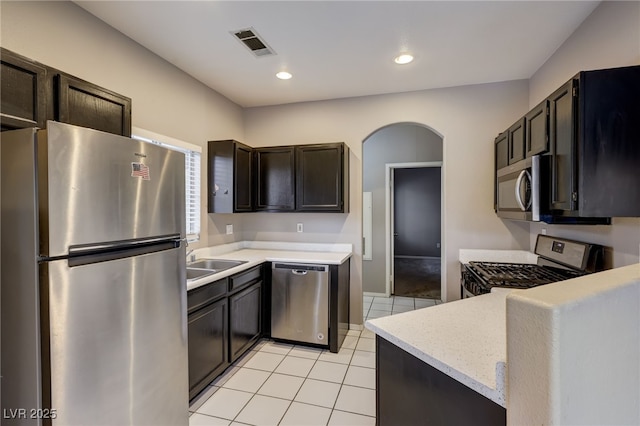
(140, 170)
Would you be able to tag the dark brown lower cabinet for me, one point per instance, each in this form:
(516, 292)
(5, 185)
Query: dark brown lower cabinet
(411, 392)
(245, 319)
(225, 319)
(339, 288)
(208, 341)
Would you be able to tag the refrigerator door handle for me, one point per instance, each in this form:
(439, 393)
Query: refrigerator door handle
(119, 245)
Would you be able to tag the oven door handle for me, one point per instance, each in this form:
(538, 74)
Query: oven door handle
(521, 176)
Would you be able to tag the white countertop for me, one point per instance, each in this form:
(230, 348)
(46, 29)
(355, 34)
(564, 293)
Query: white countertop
(257, 252)
(465, 339)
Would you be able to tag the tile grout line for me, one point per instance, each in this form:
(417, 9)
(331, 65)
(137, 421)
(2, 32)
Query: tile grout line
(255, 393)
(343, 384)
(315, 361)
(235, 368)
(274, 372)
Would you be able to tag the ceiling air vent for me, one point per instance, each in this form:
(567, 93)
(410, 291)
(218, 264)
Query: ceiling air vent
(250, 38)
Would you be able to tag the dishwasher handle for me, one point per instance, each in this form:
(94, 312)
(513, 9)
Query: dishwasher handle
(300, 268)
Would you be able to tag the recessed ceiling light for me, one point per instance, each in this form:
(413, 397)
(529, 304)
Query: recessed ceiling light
(283, 75)
(402, 59)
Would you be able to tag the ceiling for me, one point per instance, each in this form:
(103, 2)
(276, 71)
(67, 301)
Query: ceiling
(338, 49)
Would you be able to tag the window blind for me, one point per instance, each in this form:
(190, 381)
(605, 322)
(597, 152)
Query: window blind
(192, 194)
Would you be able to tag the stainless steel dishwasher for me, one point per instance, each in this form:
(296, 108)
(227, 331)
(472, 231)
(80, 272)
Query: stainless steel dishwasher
(300, 302)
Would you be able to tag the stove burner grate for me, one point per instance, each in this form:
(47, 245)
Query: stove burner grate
(519, 275)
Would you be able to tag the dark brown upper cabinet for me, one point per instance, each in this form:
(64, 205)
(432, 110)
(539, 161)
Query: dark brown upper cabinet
(586, 133)
(230, 177)
(322, 178)
(509, 145)
(594, 135)
(562, 137)
(516, 135)
(33, 93)
(301, 178)
(537, 129)
(501, 160)
(502, 150)
(275, 179)
(84, 104)
(23, 93)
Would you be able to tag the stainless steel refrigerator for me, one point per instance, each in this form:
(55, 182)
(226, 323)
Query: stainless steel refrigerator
(94, 324)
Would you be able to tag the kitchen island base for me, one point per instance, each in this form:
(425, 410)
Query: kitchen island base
(411, 392)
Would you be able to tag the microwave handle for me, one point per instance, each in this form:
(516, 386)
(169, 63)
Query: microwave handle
(518, 196)
(535, 188)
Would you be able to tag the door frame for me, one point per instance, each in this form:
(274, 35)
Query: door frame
(389, 229)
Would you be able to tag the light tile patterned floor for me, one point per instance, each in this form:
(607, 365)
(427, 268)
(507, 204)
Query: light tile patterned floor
(280, 384)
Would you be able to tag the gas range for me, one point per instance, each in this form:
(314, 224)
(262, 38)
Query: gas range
(558, 259)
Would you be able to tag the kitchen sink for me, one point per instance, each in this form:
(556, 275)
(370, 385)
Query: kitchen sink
(215, 264)
(193, 274)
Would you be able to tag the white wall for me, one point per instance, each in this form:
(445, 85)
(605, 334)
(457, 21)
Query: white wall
(609, 37)
(398, 143)
(164, 99)
(468, 117)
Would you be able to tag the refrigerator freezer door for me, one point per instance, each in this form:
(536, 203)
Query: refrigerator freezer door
(97, 187)
(118, 339)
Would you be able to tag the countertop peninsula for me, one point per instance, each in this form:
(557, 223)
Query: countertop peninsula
(468, 341)
(465, 339)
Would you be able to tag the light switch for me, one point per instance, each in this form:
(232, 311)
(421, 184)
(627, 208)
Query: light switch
(300, 228)
(229, 229)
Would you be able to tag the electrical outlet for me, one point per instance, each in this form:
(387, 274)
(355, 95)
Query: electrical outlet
(300, 228)
(229, 229)
(544, 231)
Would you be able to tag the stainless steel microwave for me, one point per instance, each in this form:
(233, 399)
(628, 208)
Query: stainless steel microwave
(518, 190)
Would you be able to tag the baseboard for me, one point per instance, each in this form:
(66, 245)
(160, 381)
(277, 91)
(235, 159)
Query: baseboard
(370, 294)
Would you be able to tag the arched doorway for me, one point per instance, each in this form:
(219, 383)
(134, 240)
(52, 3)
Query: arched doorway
(413, 153)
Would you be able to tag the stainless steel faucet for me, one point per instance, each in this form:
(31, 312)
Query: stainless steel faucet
(193, 257)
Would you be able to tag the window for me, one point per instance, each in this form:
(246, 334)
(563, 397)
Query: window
(192, 160)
